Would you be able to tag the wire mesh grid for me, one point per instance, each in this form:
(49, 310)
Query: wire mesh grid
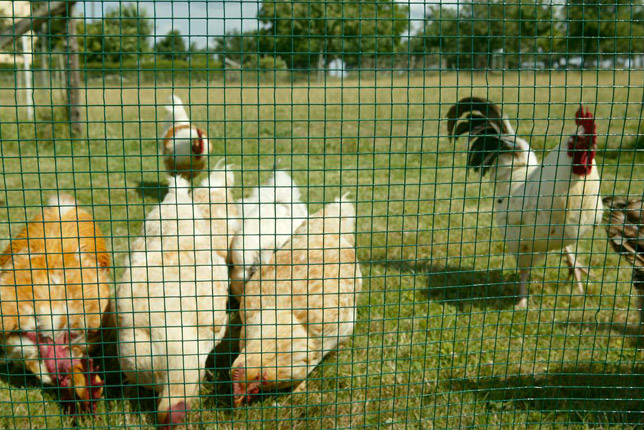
(321, 214)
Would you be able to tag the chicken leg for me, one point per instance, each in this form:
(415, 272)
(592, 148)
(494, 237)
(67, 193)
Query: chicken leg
(523, 290)
(574, 270)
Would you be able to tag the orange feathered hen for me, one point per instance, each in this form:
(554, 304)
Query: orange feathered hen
(53, 293)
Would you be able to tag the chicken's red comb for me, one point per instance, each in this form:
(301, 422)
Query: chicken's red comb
(585, 119)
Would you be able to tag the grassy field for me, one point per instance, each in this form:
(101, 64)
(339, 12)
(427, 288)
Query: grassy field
(438, 343)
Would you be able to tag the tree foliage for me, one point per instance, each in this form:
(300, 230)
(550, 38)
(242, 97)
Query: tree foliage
(242, 48)
(122, 34)
(302, 33)
(595, 28)
(172, 47)
(473, 32)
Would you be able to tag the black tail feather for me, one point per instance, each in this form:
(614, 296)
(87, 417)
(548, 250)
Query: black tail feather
(482, 120)
(485, 150)
(479, 111)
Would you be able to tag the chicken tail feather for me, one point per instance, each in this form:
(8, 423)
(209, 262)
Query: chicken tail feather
(283, 188)
(64, 202)
(489, 133)
(479, 112)
(347, 213)
(176, 110)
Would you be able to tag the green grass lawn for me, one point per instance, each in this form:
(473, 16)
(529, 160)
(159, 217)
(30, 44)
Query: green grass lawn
(438, 343)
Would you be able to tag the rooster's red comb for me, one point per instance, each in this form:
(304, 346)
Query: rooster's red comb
(585, 119)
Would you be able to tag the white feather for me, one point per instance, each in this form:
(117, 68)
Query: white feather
(171, 301)
(268, 218)
(64, 201)
(176, 111)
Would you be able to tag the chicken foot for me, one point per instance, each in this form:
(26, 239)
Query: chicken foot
(575, 270)
(523, 290)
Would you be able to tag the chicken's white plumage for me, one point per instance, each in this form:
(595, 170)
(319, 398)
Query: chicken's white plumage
(185, 147)
(171, 303)
(268, 218)
(539, 207)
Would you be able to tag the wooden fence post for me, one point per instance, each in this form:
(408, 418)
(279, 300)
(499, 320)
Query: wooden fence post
(73, 75)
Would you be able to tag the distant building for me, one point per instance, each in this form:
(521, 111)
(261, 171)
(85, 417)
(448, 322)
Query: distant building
(17, 10)
(337, 68)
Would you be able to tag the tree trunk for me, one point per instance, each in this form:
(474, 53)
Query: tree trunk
(321, 68)
(73, 76)
(28, 49)
(45, 67)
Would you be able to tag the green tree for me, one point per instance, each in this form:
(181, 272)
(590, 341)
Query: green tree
(597, 28)
(195, 53)
(469, 35)
(172, 46)
(241, 48)
(438, 37)
(528, 31)
(122, 34)
(307, 34)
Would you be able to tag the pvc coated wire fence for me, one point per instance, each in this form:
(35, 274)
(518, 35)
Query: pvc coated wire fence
(427, 248)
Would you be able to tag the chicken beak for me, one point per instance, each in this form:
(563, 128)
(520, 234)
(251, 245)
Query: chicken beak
(78, 380)
(85, 389)
(162, 418)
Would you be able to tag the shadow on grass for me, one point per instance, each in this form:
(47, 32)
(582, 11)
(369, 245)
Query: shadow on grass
(461, 286)
(16, 375)
(579, 393)
(633, 333)
(221, 361)
(153, 190)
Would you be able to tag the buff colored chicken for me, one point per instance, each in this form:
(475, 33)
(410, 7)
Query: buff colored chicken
(171, 304)
(54, 290)
(299, 306)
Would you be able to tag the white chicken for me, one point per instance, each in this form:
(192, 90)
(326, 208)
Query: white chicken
(299, 306)
(171, 304)
(214, 198)
(185, 146)
(269, 216)
(539, 207)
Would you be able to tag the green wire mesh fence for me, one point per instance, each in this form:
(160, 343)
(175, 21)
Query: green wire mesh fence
(321, 214)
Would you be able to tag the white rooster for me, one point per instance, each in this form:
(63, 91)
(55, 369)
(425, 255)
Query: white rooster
(171, 304)
(539, 207)
(269, 216)
(185, 146)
